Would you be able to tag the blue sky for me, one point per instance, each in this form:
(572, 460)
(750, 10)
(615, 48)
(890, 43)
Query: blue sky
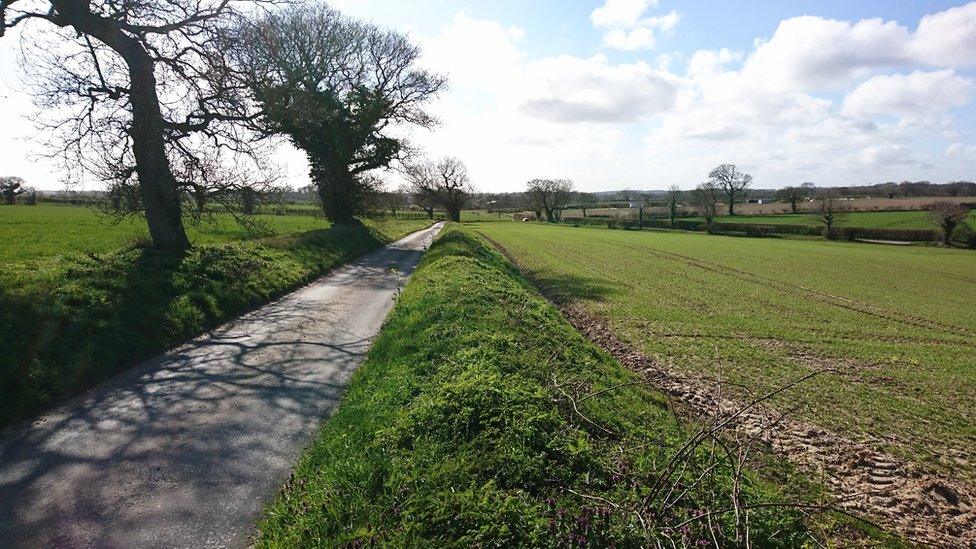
(854, 93)
(649, 93)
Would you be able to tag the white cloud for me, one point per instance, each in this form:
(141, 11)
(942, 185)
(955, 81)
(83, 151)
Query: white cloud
(621, 13)
(882, 156)
(630, 40)
(762, 109)
(910, 96)
(476, 53)
(626, 24)
(812, 53)
(664, 23)
(947, 38)
(962, 151)
(572, 89)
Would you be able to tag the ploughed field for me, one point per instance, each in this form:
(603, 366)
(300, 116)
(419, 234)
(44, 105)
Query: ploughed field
(895, 326)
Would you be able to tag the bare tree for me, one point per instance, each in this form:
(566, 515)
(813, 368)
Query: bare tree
(146, 85)
(337, 88)
(445, 182)
(10, 188)
(587, 201)
(535, 197)
(947, 216)
(671, 201)
(645, 200)
(706, 198)
(732, 181)
(418, 192)
(828, 209)
(30, 196)
(793, 195)
(393, 200)
(553, 195)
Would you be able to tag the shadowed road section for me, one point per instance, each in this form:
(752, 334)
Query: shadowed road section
(184, 450)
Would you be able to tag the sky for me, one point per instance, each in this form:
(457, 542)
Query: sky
(643, 94)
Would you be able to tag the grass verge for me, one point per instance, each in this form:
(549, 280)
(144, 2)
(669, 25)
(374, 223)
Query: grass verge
(482, 418)
(83, 317)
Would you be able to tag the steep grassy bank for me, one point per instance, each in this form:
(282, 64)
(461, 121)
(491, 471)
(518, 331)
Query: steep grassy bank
(72, 320)
(482, 418)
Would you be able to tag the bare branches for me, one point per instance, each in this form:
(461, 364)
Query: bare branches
(731, 181)
(135, 88)
(551, 196)
(947, 216)
(706, 198)
(829, 210)
(445, 183)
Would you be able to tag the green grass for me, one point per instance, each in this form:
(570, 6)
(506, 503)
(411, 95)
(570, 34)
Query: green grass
(898, 323)
(893, 220)
(71, 319)
(45, 230)
(484, 215)
(453, 433)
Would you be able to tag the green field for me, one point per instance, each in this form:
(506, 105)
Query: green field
(461, 429)
(892, 220)
(79, 303)
(33, 232)
(899, 324)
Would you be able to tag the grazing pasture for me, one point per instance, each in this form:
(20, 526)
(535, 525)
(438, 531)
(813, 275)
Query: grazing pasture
(45, 230)
(897, 326)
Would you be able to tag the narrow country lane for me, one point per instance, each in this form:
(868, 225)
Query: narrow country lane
(184, 450)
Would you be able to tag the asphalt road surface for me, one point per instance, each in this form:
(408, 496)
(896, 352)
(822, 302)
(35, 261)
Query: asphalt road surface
(184, 450)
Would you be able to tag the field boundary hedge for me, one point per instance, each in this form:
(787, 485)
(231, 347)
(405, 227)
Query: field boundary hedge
(759, 230)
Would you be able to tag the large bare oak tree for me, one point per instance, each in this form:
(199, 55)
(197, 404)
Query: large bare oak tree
(732, 181)
(143, 91)
(553, 195)
(444, 182)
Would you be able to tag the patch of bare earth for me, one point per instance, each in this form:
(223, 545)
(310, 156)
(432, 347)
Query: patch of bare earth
(896, 494)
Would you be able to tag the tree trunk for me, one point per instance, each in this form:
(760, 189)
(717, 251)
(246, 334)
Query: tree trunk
(160, 196)
(731, 205)
(453, 213)
(337, 192)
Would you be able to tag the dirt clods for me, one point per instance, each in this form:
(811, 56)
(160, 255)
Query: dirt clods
(898, 495)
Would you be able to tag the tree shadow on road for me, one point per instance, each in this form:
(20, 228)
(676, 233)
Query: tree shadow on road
(100, 314)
